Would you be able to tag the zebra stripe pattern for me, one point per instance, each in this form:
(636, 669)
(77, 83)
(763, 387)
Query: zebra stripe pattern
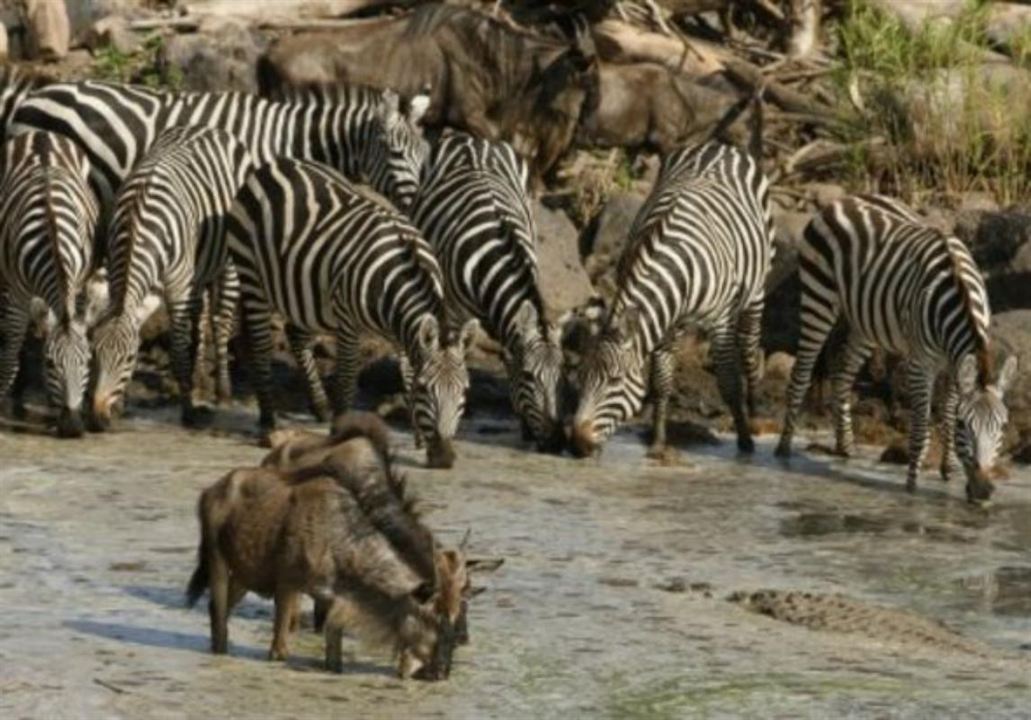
(47, 218)
(167, 244)
(357, 130)
(905, 287)
(310, 247)
(698, 255)
(474, 209)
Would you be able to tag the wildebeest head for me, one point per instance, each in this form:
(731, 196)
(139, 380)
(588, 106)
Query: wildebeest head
(393, 160)
(611, 382)
(534, 362)
(981, 418)
(439, 385)
(441, 607)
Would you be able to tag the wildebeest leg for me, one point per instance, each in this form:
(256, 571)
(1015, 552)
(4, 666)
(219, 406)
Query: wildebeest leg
(726, 352)
(749, 324)
(662, 364)
(345, 376)
(184, 316)
(320, 613)
(853, 355)
(218, 604)
(13, 325)
(949, 463)
(225, 297)
(334, 635)
(257, 323)
(301, 346)
(920, 385)
(286, 609)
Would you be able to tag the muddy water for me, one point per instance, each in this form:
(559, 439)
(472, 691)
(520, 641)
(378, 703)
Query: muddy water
(612, 602)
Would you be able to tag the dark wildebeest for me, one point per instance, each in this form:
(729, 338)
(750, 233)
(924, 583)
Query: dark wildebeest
(359, 443)
(484, 76)
(333, 535)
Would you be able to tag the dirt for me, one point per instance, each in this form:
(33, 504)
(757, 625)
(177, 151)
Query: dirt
(611, 602)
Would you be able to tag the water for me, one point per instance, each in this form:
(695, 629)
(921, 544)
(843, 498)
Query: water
(611, 603)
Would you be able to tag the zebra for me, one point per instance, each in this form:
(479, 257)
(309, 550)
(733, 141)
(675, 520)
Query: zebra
(328, 259)
(47, 217)
(357, 130)
(698, 255)
(166, 241)
(474, 209)
(15, 86)
(903, 286)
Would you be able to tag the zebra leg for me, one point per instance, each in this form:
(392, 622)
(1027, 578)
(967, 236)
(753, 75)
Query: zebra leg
(13, 326)
(300, 345)
(184, 315)
(725, 350)
(345, 377)
(921, 385)
(225, 298)
(749, 324)
(662, 364)
(855, 353)
(257, 324)
(949, 461)
(816, 326)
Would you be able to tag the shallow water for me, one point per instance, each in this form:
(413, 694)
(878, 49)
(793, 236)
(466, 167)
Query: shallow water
(611, 602)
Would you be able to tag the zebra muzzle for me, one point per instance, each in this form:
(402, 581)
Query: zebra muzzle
(979, 488)
(584, 440)
(70, 424)
(440, 453)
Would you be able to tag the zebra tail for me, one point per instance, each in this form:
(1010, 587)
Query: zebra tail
(200, 579)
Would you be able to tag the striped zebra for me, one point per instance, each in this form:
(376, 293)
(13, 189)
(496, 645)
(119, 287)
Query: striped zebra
(905, 287)
(47, 218)
(327, 259)
(698, 255)
(167, 243)
(474, 209)
(357, 130)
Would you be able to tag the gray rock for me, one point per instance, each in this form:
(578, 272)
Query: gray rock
(604, 240)
(564, 283)
(1000, 242)
(112, 31)
(220, 56)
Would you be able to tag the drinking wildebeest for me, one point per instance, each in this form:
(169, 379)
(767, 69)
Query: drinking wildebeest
(359, 445)
(328, 533)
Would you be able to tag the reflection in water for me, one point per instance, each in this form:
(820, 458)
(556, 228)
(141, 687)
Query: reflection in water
(1003, 591)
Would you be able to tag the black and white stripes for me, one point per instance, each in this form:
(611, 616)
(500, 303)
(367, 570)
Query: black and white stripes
(47, 217)
(311, 248)
(167, 244)
(697, 256)
(905, 287)
(474, 210)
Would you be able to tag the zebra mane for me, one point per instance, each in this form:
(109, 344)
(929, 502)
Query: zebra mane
(326, 93)
(41, 143)
(118, 301)
(982, 342)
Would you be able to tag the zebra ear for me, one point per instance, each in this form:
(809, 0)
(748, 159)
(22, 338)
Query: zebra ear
(390, 107)
(966, 374)
(626, 322)
(429, 335)
(1007, 374)
(527, 320)
(417, 108)
(468, 334)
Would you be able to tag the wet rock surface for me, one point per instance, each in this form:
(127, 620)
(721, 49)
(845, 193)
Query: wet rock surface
(611, 601)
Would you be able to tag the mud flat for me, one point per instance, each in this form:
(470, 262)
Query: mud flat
(613, 601)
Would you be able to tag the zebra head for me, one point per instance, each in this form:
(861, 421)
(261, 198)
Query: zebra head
(439, 383)
(534, 363)
(611, 380)
(981, 418)
(116, 343)
(67, 356)
(393, 159)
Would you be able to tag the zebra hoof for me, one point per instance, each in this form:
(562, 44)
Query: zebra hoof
(197, 417)
(746, 444)
(911, 485)
(783, 451)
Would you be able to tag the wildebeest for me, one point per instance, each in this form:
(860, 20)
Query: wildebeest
(485, 77)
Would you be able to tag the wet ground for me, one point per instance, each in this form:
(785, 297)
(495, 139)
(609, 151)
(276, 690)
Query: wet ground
(612, 601)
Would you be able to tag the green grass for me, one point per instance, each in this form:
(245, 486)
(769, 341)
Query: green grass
(142, 67)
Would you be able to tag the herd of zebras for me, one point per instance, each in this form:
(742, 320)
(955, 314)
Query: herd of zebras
(177, 194)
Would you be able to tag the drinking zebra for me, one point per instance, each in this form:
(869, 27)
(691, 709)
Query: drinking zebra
(473, 208)
(698, 255)
(326, 258)
(166, 243)
(905, 287)
(47, 217)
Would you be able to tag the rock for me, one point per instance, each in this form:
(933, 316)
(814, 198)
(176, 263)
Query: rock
(779, 366)
(1000, 242)
(3, 43)
(824, 193)
(112, 31)
(603, 241)
(48, 28)
(1012, 335)
(220, 56)
(783, 290)
(564, 283)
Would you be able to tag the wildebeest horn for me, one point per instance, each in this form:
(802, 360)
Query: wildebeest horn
(465, 539)
(484, 564)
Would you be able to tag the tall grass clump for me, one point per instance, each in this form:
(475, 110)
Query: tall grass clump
(952, 123)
